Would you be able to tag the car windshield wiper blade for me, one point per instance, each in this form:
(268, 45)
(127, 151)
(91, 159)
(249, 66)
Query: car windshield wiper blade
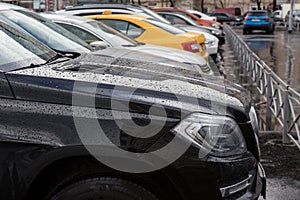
(133, 45)
(68, 54)
(32, 65)
(57, 56)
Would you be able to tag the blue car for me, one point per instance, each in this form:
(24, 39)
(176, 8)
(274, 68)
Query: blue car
(258, 20)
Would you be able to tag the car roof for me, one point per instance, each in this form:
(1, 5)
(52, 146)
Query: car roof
(107, 6)
(124, 16)
(67, 18)
(8, 6)
(256, 11)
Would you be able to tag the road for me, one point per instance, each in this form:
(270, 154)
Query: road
(281, 52)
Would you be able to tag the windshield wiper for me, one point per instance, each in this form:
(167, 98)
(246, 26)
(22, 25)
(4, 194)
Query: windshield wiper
(68, 54)
(32, 65)
(133, 45)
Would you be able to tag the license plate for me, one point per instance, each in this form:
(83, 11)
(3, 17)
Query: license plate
(255, 20)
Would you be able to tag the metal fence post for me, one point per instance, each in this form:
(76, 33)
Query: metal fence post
(287, 117)
(269, 102)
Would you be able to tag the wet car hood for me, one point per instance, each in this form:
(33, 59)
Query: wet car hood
(144, 83)
(160, 55)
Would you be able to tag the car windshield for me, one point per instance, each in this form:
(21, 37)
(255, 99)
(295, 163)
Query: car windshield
(155, 16)
(116, 37)
(167, 27)
(189, 20)
(257, 13)
(43, 33)
(18, 49)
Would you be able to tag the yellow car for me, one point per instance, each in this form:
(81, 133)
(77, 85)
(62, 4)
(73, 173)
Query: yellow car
(147, 30)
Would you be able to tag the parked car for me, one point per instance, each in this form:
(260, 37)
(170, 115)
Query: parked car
(203, 22)
(202, 15)
(295, 17)
(48, 141)
(190, 25)
(277, 14)
(232, 11)
(92, 30)
(40, 28)
(150, 31)
(98, 9)
(258, 20)
(225, 17)
(211, 43)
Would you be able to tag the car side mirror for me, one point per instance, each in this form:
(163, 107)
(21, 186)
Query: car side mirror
(98, 45)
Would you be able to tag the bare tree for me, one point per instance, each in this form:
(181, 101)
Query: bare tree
(202, 6)
(258, 4)
(274, 5)
(222, 3)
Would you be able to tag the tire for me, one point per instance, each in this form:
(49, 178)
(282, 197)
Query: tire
(103, 188)
(245, 31)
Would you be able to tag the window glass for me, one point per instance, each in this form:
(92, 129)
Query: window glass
(262, 13)
(81, 33)
(174, 19)
(125, 27)
(43, 33)
(169, 28)
(18, 49)
(134, 31)
(115, 37)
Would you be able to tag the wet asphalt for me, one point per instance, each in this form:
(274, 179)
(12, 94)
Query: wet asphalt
(281, 52)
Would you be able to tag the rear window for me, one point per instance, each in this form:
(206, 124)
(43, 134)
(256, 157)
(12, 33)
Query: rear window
(257, 14)
(166, 27)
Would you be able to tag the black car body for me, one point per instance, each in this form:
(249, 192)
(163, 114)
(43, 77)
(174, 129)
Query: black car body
(46, 154)
(225, 17)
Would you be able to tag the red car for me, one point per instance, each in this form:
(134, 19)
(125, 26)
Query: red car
(181, 11)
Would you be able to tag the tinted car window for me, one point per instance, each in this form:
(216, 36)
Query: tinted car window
(125, 27)
(18, 49)
(118, 37)
(81, 33)
(174, 19)
(43, 33)
(169, 28)
(257, 13)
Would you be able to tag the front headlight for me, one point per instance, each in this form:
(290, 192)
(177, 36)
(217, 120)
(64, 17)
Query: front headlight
(209, 43)
(216, 33)
(215, 26)
(218, 136)
(254, 123)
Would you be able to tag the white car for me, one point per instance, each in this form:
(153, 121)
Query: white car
(202, 15)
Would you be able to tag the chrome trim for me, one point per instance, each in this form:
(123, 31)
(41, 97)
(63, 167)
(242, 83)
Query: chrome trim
(229, 190)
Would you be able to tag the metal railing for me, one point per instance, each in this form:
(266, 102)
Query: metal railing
(282, 103)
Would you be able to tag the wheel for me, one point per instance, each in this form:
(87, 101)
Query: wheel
(245, 31)
(104, 188)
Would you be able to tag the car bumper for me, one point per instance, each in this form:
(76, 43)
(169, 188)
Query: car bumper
(230, 178)
(257, 26)
(250, 188)
(213, 49)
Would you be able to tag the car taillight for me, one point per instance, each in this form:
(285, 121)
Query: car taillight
(246, 19)
(191, 46)
(266, 19)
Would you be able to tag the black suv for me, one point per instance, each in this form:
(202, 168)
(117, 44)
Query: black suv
(101, 127)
